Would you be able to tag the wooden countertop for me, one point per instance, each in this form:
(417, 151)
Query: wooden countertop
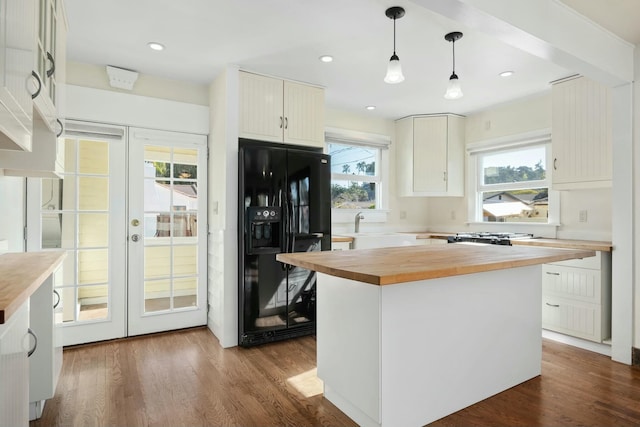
(337, 239)
(21, 274)
(593, 245)
(385, 266)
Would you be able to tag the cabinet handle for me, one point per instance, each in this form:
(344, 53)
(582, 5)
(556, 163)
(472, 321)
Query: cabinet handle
(286, 122)
(61, 128)
(37, 77)
(553, 305)
(58, 300)
(552, 273)
(555, 164)
(35, 342)
(51, 70)
(444, 176)
(281, 122)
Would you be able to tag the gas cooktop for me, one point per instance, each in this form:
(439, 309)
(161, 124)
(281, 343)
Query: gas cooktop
(488, 237)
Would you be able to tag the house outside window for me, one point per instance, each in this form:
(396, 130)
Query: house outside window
(512, 182)
(359, 165)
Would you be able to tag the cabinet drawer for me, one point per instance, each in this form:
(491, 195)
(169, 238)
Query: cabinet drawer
(577, 283)
(594, 262)
(582, 320)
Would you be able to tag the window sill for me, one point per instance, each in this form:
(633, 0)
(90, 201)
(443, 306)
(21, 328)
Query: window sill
(342, 216)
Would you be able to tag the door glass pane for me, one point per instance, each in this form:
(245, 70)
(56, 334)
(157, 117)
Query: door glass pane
(93, 230)
(185, 260)
(186, 291)
(157, 295)
(157, 195)
(93, 266)
(93, 157)
(93, 193)
(93, 302)
(157, 261)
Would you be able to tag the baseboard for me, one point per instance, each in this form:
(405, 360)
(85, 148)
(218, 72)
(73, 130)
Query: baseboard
(578, 342)
(635, 356)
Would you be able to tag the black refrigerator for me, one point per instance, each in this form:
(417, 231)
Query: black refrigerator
(284, 205)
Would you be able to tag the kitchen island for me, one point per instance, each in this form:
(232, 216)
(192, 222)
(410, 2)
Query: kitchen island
(408, 335)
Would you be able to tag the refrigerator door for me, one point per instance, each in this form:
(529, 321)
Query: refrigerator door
(309, 188)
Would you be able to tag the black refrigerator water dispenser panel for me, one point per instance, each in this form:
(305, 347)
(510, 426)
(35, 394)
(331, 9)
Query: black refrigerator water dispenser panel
(264, 232)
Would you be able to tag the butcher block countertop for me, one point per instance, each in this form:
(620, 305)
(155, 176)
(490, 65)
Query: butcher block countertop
(21, 274)
(386, 266)
(565, 243)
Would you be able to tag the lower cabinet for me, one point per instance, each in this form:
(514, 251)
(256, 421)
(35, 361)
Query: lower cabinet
(14, 369)
(576, 297)
(45, 363)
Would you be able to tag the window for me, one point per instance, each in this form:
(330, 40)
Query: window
(359, 164)
(512, 183)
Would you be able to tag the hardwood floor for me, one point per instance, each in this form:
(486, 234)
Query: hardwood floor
(185, 378)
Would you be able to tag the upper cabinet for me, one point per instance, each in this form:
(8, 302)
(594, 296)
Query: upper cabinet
(581, 134)
(281, 111)
(430, 155)
(17, 33)
(50, 58)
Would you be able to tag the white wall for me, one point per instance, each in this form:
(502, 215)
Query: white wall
(405, 213)
(12, 211)
(636, 218)
(95, 76)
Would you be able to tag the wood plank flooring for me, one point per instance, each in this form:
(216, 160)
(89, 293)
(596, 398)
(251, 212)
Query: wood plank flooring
(185, 378)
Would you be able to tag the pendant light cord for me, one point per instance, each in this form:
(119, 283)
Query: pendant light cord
(394, 35)
(454, 56)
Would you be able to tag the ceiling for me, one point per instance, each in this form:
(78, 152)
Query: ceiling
(285, 38)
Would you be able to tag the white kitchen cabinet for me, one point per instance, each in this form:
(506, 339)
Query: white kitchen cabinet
(50, 60)
(280, 111)
(14, 369)
(17, 24)
(45, 363)
(576, 297)
(581, 134)
(46, 159)
(430, 155)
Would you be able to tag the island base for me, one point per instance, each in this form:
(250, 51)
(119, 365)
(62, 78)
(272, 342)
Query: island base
(410, 353)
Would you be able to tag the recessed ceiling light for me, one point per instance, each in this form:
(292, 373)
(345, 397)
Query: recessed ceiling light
(506, 73)
(155, 45)
(370, 107)
(326, 58)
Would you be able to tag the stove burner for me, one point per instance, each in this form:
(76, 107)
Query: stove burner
(488, 237)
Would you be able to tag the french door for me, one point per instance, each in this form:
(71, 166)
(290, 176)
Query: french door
(127, 214)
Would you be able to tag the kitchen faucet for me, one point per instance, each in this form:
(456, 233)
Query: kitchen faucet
(359, 216)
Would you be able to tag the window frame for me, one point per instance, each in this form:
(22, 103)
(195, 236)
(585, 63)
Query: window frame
(477, 150)
(379, 142)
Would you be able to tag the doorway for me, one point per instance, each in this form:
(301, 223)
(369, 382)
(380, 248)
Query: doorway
(127, 212)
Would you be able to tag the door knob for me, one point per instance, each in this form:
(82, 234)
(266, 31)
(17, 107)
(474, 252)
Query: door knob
(135, 237)
(135, 222)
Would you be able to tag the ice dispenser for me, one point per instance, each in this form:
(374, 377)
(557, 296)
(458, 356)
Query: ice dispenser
(264, 232)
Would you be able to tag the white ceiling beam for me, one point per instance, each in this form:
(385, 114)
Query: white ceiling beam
(549, 30)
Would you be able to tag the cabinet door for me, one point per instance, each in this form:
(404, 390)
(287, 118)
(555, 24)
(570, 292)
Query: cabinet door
(14, 369)
(430, 154)
(575, 318)
(50, 60)
(17, 21)
(261, 107)
(582, 134)
(303, 114)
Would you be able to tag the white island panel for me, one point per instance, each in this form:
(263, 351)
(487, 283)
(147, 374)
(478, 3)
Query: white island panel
(425, 349)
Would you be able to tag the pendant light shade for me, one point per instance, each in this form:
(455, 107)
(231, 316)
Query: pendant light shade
(454, 91)
(394, 69)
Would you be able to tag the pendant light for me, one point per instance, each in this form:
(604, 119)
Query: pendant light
(394, 70)
(453, 89)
